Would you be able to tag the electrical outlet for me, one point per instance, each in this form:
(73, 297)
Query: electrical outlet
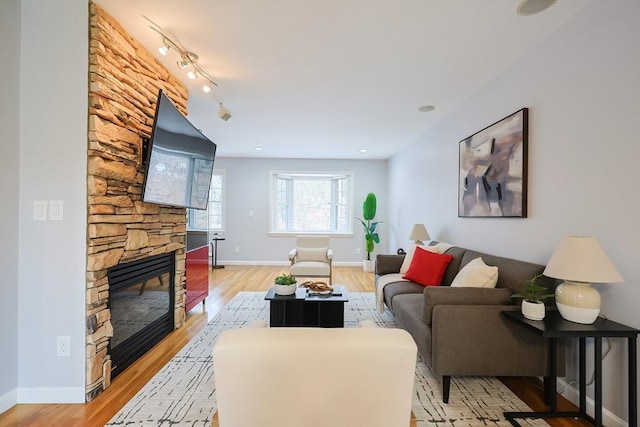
(237, 249)
(357, 251)
(64, 346)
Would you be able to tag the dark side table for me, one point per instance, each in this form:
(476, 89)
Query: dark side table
(554, 327)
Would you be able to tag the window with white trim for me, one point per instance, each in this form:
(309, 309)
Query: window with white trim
(303, 202)
(213, 218)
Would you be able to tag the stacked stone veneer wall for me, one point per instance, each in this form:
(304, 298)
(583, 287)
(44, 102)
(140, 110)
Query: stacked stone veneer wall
(124, 80)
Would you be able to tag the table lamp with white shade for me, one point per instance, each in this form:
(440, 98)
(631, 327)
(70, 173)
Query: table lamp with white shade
(419, 233)
(580, 261)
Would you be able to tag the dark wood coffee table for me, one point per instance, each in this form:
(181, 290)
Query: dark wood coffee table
(307, 309)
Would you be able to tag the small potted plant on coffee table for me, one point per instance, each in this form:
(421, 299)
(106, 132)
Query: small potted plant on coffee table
(532, 296)
(285, 284)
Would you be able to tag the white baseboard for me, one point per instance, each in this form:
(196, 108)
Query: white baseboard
(8, 400)
(236, 262)
(51, 395)
(573, 394)
(284, 263)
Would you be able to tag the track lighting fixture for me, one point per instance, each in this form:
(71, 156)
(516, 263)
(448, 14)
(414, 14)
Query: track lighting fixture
(187, 58)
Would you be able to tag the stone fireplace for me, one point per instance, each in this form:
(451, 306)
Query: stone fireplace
(124, 80)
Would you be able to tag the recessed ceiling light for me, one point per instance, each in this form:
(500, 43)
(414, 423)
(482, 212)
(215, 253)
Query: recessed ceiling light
(426, 108)
(258, 148)
(531, 7)
(363, 150)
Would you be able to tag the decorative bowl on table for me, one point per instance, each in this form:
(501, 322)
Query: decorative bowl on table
(285, 284)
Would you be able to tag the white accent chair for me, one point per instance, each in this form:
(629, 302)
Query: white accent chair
(312, 257)
(314, 377)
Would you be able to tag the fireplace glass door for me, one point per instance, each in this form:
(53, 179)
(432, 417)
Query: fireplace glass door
(141, 301)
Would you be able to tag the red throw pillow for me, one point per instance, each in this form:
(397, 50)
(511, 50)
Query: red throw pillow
(427, 268)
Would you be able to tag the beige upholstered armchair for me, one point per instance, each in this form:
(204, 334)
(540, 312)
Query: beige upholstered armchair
(314, 377)
(312, 257)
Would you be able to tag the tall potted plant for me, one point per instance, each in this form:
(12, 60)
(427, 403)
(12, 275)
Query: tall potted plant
(371, 237)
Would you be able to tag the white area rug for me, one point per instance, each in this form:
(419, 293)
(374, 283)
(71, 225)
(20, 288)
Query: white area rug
(183, 392)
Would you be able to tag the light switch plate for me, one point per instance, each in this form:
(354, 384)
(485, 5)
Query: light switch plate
(39, 210)
(56, 210)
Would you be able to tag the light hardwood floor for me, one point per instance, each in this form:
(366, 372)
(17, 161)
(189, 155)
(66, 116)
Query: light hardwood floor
(224, 284)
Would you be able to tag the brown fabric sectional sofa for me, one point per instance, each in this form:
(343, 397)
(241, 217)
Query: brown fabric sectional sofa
(460, 331)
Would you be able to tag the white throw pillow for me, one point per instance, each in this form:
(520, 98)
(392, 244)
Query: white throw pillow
(476, 274)
(409, 257)
(312, 254)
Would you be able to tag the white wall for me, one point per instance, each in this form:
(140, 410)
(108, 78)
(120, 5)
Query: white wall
(582, 86)
(53, 144)
(247, 187)
(9, 172)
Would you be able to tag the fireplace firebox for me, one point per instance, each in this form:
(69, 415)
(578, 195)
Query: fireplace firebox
(141, 302)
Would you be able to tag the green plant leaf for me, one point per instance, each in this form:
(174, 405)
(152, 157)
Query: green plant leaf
(369, 246)
(369, 207)
(532, 292)
(285, 279)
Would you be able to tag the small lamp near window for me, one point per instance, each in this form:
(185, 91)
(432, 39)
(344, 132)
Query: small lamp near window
(580, 261)
(419, 233)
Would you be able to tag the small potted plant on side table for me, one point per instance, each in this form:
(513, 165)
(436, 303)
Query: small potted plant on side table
(532, 296)
(285, 284)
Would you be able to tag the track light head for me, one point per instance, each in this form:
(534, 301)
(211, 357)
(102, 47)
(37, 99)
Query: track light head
(187, 58)
(164, 49)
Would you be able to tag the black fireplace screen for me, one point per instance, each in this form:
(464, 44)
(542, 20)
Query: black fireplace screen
(141, 300)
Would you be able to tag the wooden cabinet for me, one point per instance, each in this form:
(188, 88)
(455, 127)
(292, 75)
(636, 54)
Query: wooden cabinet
(197, 276)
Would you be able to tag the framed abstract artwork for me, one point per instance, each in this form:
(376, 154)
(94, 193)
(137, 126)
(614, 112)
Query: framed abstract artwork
(492, 180)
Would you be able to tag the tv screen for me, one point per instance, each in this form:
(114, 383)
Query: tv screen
(179, 160)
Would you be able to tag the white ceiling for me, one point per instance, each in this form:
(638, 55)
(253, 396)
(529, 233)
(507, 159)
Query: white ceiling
(326, 78)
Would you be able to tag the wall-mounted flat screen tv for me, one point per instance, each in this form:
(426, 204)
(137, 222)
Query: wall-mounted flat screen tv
(179, 162)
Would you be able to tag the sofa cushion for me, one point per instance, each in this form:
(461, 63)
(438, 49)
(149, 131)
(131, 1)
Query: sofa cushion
(454, 266)
(387, 264)
(462, 296)
(427, 268)
(476, 274)
(513, 273)
(409, 256)
(391, 290)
